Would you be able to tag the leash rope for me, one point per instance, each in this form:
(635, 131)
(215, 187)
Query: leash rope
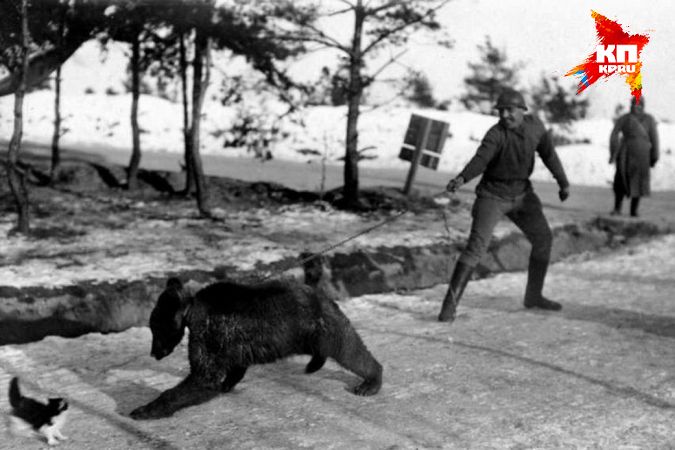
(327, 249)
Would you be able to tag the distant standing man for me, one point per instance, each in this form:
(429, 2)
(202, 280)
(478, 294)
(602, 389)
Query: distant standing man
(634, 147)
(505, 157)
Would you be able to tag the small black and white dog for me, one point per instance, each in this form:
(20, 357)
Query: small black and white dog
(33, 416)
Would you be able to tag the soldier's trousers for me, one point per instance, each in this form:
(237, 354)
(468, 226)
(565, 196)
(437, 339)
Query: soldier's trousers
(525, 211)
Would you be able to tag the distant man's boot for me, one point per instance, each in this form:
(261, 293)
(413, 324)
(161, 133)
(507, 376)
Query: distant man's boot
(618, 201)
(460, 277)
(634, 205)
(536, 273)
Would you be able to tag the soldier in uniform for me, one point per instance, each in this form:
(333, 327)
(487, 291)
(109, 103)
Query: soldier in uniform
(505, 158)
(634, 147)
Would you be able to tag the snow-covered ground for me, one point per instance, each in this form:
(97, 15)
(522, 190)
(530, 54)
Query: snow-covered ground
(144, 247)
(598, 374)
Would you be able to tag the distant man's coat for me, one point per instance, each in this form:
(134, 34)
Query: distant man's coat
(634, 146)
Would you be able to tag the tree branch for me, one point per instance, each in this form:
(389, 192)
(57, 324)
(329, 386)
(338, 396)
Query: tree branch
(41, 65)
(392, 3)
(392, 31)
(317, 36)
(328, 42)
(349, 4)
(391, 61)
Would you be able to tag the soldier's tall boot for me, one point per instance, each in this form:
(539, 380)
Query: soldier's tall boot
(618, 202)
(536, 273)
(460, 278)
(634, 205)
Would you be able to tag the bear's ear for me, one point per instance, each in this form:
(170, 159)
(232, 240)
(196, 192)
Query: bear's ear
(169, 300)
(182, 293)
(174, 283)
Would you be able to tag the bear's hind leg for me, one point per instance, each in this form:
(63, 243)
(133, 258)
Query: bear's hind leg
(345, 346)
(315, 364)
(234, 376)
(362, 363)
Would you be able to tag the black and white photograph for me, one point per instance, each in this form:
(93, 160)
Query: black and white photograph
(337, 224)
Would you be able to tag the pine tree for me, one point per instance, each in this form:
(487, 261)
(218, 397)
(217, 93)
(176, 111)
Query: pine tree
(558, 104)
(488, 78)
(418, 89)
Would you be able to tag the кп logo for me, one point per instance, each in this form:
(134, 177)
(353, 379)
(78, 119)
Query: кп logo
(624, 53)
(617, 53)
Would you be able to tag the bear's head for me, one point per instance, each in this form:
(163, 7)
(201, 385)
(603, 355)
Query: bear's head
(167, 320)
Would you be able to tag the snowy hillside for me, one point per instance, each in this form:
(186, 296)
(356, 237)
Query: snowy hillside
(102, 117)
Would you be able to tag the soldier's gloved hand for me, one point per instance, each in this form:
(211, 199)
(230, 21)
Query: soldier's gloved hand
(563, 193)
(454, 184)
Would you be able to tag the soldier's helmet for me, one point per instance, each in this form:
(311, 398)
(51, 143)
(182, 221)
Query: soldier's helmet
(510, 97)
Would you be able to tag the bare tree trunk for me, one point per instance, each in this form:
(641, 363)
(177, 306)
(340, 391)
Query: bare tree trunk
(200, 81)
(354, 92)
(16, 176)
(135, 161)
(56, 150)
(56, 136)
(187, 134)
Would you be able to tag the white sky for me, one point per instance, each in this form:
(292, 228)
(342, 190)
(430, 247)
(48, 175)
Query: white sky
(549, 37)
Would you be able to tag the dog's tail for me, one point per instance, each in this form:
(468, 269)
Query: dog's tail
(14, 393)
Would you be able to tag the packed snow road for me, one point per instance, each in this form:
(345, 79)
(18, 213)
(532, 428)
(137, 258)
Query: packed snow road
(599, 374)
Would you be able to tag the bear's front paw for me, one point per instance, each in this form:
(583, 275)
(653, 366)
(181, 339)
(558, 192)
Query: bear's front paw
(368, 387)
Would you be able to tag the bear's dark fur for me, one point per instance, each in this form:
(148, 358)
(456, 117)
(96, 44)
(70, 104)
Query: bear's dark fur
(233, 326)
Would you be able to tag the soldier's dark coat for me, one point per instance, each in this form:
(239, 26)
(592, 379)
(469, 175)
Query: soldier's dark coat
(634, 145)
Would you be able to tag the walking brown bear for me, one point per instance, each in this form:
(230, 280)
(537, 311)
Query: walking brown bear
(233, 326)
